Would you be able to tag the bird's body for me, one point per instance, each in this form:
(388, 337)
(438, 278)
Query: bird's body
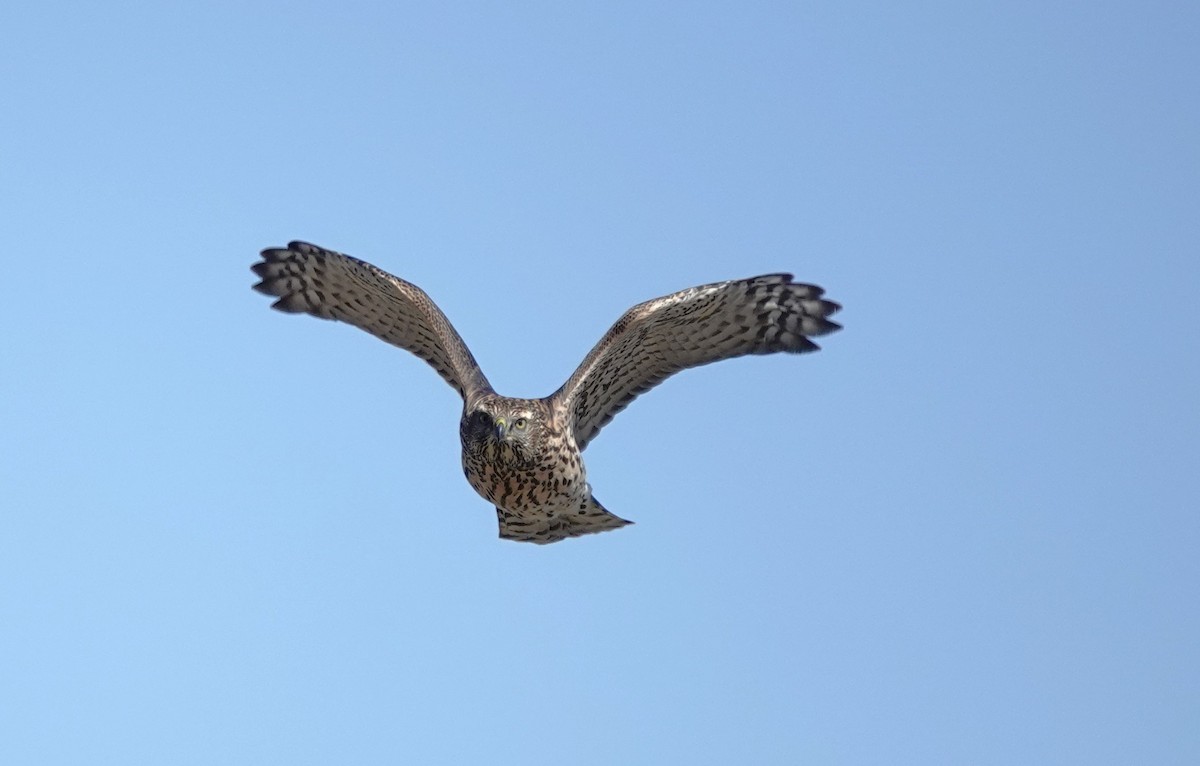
(519, 459)
(524, 455)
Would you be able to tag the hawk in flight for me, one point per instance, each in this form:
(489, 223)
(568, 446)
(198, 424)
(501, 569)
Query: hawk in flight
(524, 455)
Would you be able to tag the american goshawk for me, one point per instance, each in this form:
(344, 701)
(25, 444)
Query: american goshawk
(524, 455)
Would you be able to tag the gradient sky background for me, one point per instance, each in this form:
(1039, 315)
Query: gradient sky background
(965, 532)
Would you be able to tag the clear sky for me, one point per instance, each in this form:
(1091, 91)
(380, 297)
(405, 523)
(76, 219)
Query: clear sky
(966, 532)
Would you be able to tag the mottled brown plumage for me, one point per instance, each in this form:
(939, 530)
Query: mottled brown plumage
(524, 455)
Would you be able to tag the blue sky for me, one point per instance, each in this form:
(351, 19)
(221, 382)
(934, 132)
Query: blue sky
(965, 532)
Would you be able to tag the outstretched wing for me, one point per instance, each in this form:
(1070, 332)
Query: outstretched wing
(309, 279)
(658, 338)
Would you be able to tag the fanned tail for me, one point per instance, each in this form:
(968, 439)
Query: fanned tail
(542, 528)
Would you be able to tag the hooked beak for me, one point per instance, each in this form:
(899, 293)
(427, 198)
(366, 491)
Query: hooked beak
(501, 429)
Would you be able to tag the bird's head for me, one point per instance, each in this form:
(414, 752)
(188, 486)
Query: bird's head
(509, 427)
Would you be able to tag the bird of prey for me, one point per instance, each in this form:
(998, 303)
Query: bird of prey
(524, 455)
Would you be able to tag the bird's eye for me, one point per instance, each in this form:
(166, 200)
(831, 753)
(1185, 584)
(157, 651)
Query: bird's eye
(520, 424)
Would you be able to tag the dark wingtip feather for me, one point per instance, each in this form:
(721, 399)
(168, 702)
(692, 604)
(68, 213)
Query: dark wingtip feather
(291, 304)
(274, 253)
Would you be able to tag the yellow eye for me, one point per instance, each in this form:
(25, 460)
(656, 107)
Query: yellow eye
(520, 424)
